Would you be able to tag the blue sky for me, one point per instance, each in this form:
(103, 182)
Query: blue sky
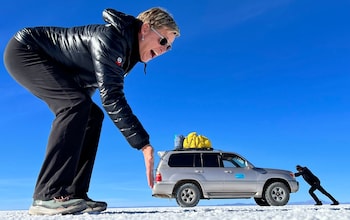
(267, 79)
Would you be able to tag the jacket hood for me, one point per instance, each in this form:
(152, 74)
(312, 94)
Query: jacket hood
(118, 19)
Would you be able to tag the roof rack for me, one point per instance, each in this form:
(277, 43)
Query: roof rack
(195, 149)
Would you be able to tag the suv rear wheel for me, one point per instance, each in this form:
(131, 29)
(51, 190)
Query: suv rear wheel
(187, 195)
(277, 194)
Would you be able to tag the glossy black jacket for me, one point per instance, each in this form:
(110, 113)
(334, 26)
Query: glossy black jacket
(97, 57)
(308, 176)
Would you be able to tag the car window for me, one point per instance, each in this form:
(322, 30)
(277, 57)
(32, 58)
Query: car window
(240, 161)
(184, 160)
(211, 160)
(229, 164)
(232, 160)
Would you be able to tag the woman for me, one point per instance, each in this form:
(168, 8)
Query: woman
(63, 67)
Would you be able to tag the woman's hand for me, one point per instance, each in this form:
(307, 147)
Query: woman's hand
(149, 163)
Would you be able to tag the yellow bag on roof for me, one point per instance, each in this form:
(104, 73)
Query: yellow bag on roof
(196, 141)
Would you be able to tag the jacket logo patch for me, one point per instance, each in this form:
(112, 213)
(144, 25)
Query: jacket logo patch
(119, 61)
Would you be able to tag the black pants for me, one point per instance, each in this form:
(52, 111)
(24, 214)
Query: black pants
(322, 190)
(75, 132)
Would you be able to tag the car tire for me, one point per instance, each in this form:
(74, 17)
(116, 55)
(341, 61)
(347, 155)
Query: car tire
(277, 194)
(261, 202)
(187, 195)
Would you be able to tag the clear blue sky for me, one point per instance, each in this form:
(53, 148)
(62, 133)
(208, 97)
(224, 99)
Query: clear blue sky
(267, 79)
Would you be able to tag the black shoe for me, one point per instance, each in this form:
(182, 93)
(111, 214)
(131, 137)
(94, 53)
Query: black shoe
(57, 206)
(335, 203)
(94, 206)
(318, 203)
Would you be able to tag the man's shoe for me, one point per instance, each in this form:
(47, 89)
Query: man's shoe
(335, 203)
(318, 203)
(61, 205)
(94, 206)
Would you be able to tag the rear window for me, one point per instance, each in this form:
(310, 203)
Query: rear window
(184, 160)
(211, 160)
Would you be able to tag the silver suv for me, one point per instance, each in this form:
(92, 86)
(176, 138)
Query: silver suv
(191, 175)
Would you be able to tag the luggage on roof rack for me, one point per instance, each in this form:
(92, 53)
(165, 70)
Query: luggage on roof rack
(192, 141)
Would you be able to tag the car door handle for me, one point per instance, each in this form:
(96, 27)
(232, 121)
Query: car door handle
(228, 171)
(198, 171)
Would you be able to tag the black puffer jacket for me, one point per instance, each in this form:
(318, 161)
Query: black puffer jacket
(308, 176)
(97, 56)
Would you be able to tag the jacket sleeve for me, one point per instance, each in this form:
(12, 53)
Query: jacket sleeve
(110, 79)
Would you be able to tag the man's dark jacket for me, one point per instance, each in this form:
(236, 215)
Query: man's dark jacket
(308, 176)
(97, 57)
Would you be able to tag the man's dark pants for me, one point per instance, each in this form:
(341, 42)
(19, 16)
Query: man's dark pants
(318, 186)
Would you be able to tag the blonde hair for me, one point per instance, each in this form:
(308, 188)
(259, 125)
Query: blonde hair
(158, 18)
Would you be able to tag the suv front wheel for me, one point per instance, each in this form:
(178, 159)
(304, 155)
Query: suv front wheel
(187, 195)
(261, 202)
(277, 194)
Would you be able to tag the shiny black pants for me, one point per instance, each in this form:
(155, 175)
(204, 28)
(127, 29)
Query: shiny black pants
(75, 132)
(322, 190)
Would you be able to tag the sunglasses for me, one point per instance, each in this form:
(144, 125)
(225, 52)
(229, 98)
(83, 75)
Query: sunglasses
(162, 41)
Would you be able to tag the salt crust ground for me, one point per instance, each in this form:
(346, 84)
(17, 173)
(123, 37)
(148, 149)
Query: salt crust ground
(289, 212)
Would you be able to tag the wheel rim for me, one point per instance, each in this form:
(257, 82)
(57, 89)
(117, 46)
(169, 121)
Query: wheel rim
(188, 195)
(278, 194)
